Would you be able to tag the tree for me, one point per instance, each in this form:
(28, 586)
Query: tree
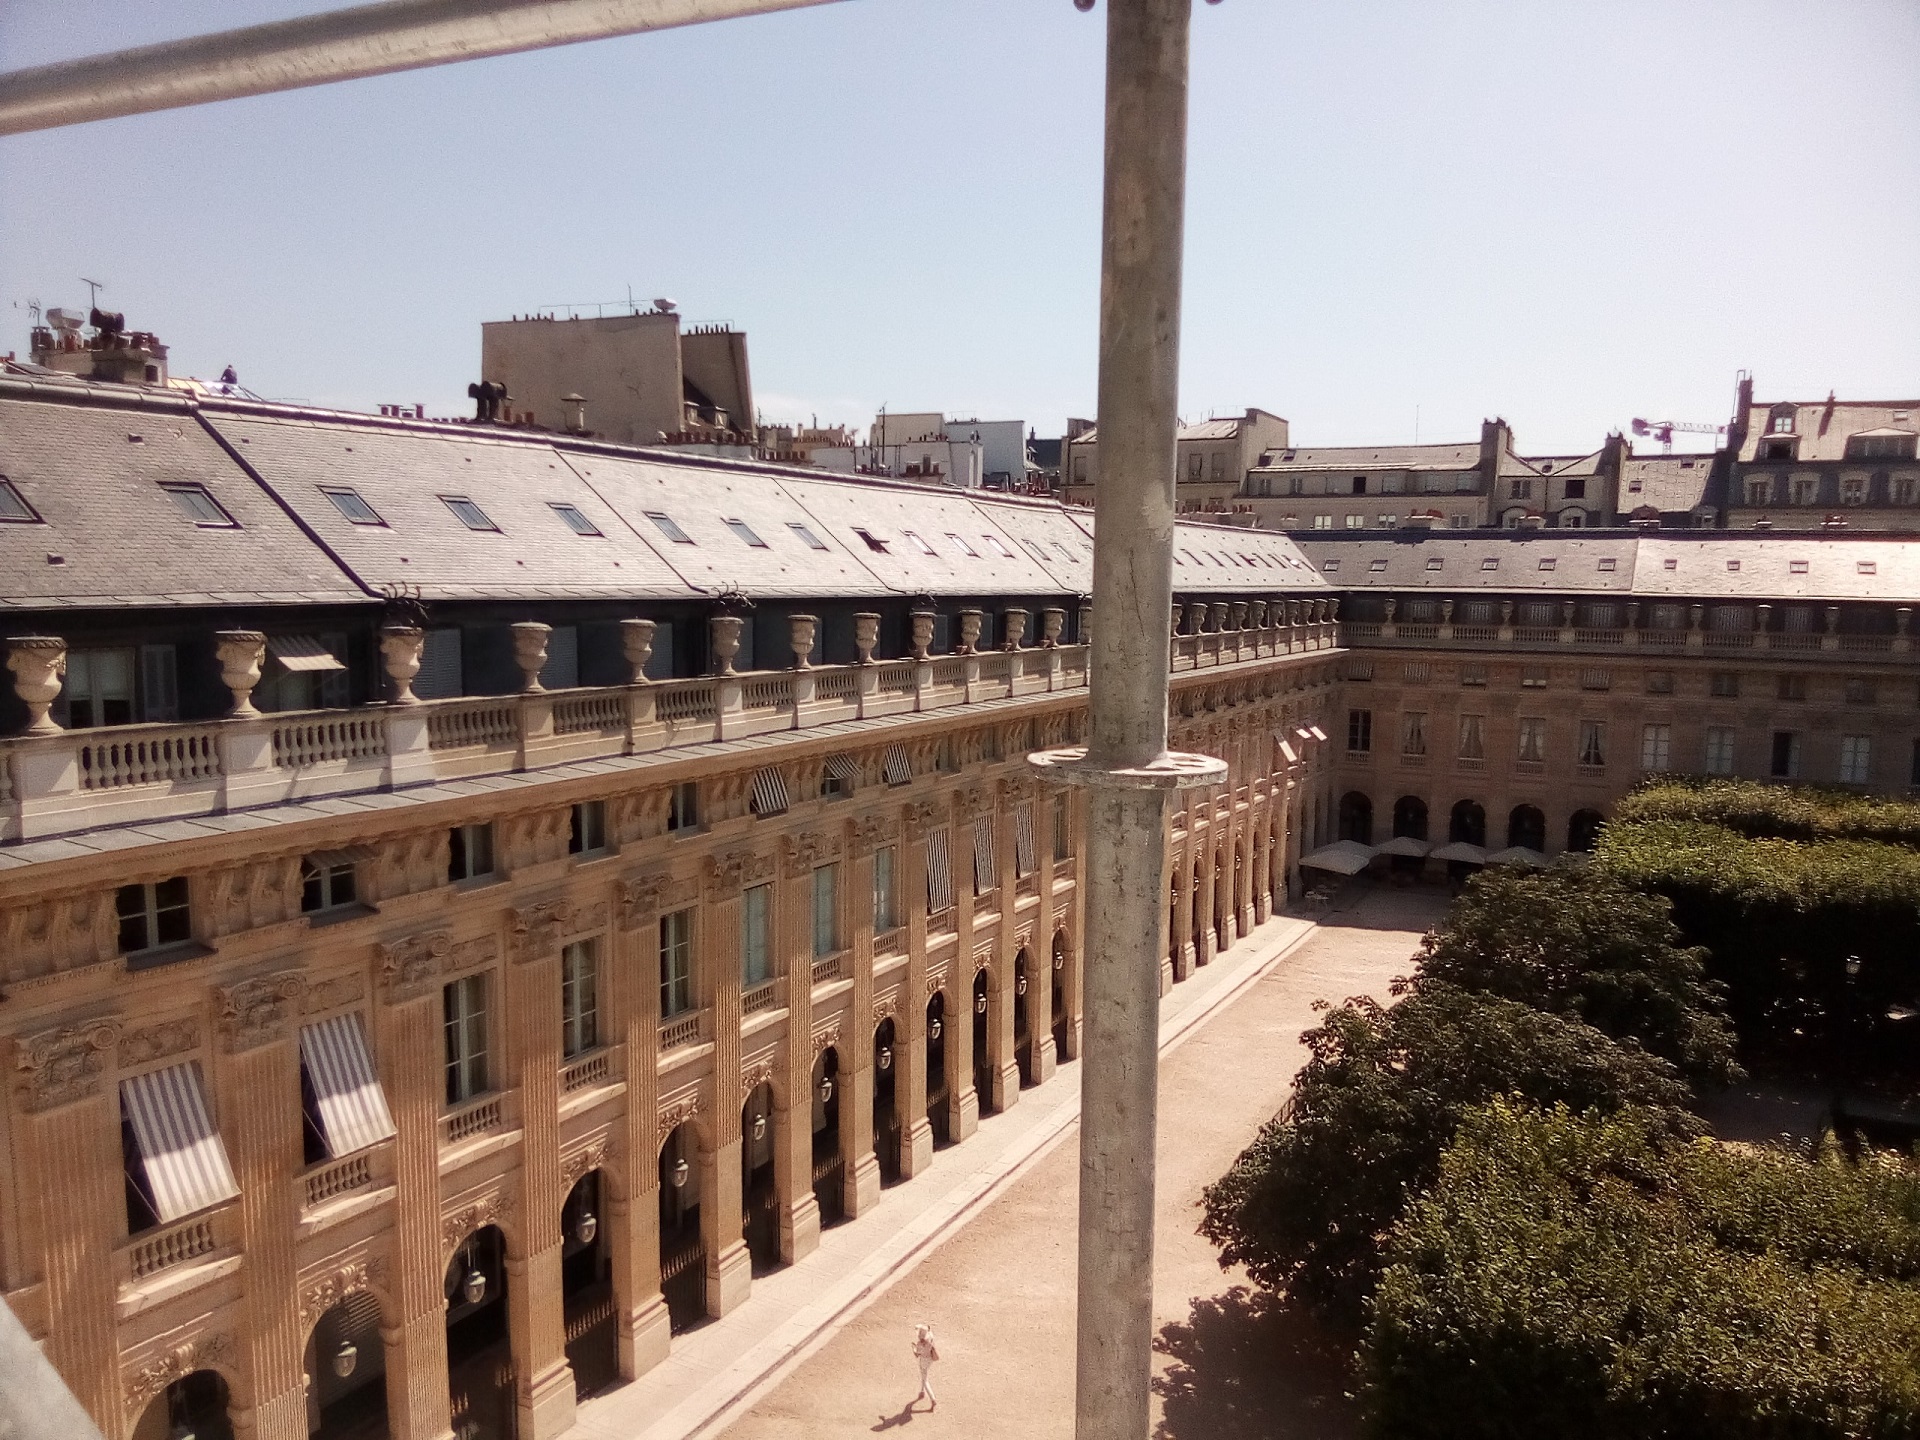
(1582, 944)
(1307, 1204)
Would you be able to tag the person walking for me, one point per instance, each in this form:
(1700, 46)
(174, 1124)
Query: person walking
(925, 1353)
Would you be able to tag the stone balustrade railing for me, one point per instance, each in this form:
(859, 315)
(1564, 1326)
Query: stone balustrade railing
(1628, 640)
(54, 782)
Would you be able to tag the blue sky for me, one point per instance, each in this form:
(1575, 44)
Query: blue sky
(1566, 213)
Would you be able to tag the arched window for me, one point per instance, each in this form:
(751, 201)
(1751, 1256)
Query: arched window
(1410, 817)
(1468, 824)
(1527, 826)
(1356, 817)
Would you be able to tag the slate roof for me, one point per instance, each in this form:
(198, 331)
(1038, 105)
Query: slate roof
(1824, 426)
(1371, 457)
(1670, 483)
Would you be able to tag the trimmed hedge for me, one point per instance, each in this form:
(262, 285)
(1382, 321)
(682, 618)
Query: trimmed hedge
(1773, 812)
(1586, 1278)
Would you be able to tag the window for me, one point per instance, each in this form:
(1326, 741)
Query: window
(1656, 747)
(1434, 562)
(756, 935)
(468, 513)
(1806, 490)
(579, 998)
(1596, 679)
(1062, 829)
(1913, 772)
(1491, 562)
(746, 533)
(469, 852)
(153, 915)
(1080, 469)
(1323, 522)
(1860, 691)
(1547, 562)
(1032, 549)
(1593, 742)
(349, 503)
(1359, 485)
(464, 1004)
(1904, 487)
(886, 914)
(13, 505)
(1356, 522)
(1533, 677)
(874, 542)
(1796, 567)
(1473, 737)
(998, 546)
(1777, 450)
(1520, 490)
(200, 507)
(1533, 738)
(1866, 567)
(965, 547)
(1880, 447)
(573, 519)
(1576, 487)
(1781, 423)
(826, 918)
(1759, 490)
(1413, 733)
(1856, 759)
(1792, 687)
(1853, 490)
(1219, 464)
(921, 543)
(1474, 674)
(807, 537)
(1719, 756)
(1608, 564)
(1196, 463)
(1359, 732)
(1724, 684)
(676, 963)
(588, 831)
(668, 527)
(99, 688)
(1374, 567)
(1786, 754)
(683, 807)
(838, 776)
(326, 882)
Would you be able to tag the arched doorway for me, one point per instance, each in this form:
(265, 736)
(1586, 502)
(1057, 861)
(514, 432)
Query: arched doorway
(1410, 818)
(683, 1254)
(346, 1366)
(886, 1114)
(829, 1165)
(1199, 918)
(479, 1359)
(1527, 826)
(1022, 1025)
(759, 1196)
(195, 1405)
(982, 1061)
(586, 1286)
(1059, 1018)
(1239, 882)
(1173, 928)
(1356, 818)
(1221, 937)
(1583, 830)
(1468, 823)
(937, 1093)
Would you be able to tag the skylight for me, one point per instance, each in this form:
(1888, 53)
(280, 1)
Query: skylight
(920, 543)
(874, 542)
(745, 532)
(1000, 546)
(574, 520)
(958, 540)
(14, 506)
(1547, 562)
(1867, 567)
(468, 513)
(1796, 567)
(1492, 562)
(1035, 551)
(1671, 563)
(1331, 565)
(1434, 562)
(349, 503)
(1377, 565)
(811, 540)
(668, 527)
(1607, 562)
(200, 507)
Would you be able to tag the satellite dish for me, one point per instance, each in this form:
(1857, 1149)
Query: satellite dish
(664, 305)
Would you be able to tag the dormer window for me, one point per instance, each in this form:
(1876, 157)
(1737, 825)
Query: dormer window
(1781, 423)
(1777, 449)
(1880, 447)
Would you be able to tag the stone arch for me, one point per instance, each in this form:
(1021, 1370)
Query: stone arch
(937, 1019)
(478, 1316)
(829, 1156)
(1468, 823)
(981, 1015)
(889, 1126)
(683, 1271)
(346, 1361)
(1583, 830)
(1527, 826)
(1410, 817)
(1356, 817)
(199, 1402)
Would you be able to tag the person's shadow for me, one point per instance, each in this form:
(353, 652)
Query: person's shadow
(891, 1422)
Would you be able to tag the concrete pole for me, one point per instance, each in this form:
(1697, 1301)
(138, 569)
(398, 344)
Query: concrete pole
(1126, 766)
(35, 1403)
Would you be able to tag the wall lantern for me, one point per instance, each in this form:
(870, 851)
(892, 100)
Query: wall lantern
(345, 1359)
(681, 1170)
(825, 1088)
(1020, 985)
(934, 1027)
(980, 1004)
(760, 1126)
(474, 1287)
(885, 1058)
(586, 1227)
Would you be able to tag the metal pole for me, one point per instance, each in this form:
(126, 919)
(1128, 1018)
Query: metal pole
(35, 1403)
(1126, 768)
(334, 45)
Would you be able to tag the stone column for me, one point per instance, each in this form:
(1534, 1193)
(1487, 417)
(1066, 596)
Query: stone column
(1187, 958)
(1000, 1034)
(793, 1099)
(729, 1276)
(1205, 851)
(863, 1166)
(642, 1309)
(963, 1103)
(911, 873)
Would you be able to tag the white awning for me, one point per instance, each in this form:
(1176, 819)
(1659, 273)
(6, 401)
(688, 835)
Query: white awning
(1406, 845)
(939, 871)
(1023, 861)
(1343, 857)
(898, 768)
(842, 767)
(769, 793)
(1517, 855)
(1463, 852)
(353, 1111)
(180, 1152)
(984, 866)
(303, 652)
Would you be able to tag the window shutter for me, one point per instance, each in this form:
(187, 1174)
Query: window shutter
(440, 675)
(159, 683)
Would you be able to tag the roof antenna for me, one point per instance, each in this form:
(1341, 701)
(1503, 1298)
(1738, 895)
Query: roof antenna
(94, 287)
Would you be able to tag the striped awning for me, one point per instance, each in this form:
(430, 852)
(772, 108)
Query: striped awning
(984, 878)
(180, 1152)
(842, 767)
(769, 793)
(353, 1111)
(898, 768)
(303, 652)
(939, 872)
(1023, 861)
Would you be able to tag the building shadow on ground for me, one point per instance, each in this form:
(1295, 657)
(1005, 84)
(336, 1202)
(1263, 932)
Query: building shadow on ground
(1243, 1367)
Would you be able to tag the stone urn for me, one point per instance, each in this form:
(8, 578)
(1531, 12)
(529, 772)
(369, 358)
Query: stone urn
(39, 665)
(1179, 614)
(801, 630)
(636, 644)
(1196, 617)
(530, 652)
(866, 634)
(1238, 612)
(1013, 628)
(1052, 621)
(1085, 632)
(1566, 614)
(1333, 608)
(1446, 612)
(1219, 611)
(969, 632)
(241, 654)
(1257, 614)
(1393, 607)
(922, 632)
(400, 650)
(723, 639)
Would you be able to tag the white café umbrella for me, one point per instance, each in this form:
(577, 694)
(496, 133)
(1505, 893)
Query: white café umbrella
(1463, 852)
(1343, 857)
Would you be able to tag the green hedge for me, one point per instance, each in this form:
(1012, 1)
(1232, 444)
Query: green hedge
(1773, 812)
(1586, 1279)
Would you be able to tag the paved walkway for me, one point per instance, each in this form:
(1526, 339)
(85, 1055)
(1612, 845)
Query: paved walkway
(821, 1348)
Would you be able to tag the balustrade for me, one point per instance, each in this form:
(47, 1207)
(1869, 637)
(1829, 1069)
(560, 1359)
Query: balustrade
(147, 755)
(338, 1177)
(315, 740)
(588, 1070)
(477, 1119)
(176, 1244)
(682, 1031)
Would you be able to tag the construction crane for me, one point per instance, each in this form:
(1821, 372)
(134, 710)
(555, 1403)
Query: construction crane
(1663, 431)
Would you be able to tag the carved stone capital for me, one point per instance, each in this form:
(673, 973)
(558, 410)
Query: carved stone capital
(536, 930)
(256, 1011)
(491, 1209)
(60, 1066)
(203, 1352)
(350, 1279)
(810, 848)
(674, 1113)
(588, 1157)
(157, 1041)
(921, 816)
(867, 833)
(826, 1035)
(641, 898)
(729, 873)
(970, 802)
(408, 966)
(754, 1075)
